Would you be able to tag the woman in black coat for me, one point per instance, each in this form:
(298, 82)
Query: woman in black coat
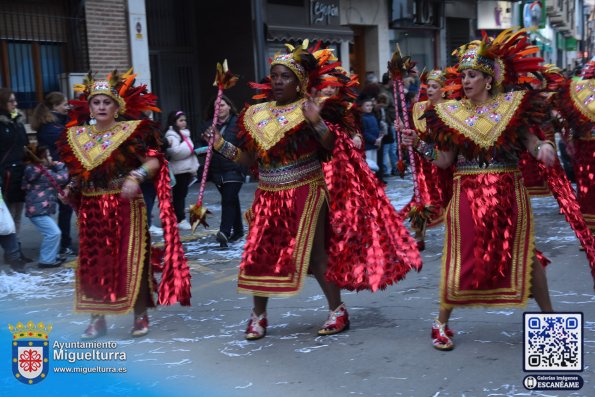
(227, 176)
(13, 139)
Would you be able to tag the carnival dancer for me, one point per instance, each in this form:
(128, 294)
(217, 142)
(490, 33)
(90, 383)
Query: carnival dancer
(287, 138)
(489, 256)
(577, 106)
(108, 154)
(434, 183)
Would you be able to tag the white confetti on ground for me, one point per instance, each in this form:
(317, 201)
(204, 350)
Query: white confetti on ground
(35, 284)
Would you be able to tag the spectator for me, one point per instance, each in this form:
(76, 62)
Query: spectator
(182, 162)
(49, 120)
(41, 182)
(13, 139)
(227, 175)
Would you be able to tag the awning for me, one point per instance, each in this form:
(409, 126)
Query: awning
(298, 33)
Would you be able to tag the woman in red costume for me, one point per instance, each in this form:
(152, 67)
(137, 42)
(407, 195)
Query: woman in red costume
(489, 256)
(108, 154)
(435, 184)
(577, 105)
(292, 219)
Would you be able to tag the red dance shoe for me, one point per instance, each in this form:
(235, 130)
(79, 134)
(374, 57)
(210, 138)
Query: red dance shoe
(257, 326)
(441, 336)
(141, 326)
(97, 327)
(338, 321)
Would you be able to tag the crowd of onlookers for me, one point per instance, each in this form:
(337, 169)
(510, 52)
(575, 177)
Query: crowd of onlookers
(32, 178)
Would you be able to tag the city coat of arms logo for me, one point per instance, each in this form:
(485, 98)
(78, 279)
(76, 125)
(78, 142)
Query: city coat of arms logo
(30, 351)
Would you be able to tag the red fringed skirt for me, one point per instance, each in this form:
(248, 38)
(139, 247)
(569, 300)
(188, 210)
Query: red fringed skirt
(532, 176)
(369, 246)
(279, 243)
(114, 253)
(584, 172)
(489, 243)
(435, 185)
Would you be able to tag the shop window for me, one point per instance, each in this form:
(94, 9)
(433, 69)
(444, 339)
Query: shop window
(20, 70)
(32, 70)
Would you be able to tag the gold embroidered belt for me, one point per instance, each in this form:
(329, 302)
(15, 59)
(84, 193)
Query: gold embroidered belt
(473, 167)
(114, 187)
(291, 175)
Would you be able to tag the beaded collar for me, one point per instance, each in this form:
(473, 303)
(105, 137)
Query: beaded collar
(268, 123)
(92, 147)
(582, 93)
(483, 124)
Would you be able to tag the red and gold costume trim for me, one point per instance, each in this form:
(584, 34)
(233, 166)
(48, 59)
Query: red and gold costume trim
(286, 248)
(435, 184)
(93, 147)
(368, 246)
(103, 286)
(268, 124)
(487, 257)
(483, 124)
(419, 108)
(582, 93)
(584, 173)
(493, 255)
(113, 235)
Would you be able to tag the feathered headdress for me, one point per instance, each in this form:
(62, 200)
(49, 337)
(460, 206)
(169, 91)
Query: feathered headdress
(315, 68)
(449, 79)
(507, 58)
(132, 100)
(553, 79)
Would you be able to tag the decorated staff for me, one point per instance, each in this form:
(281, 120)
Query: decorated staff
(398, 67)
(223, 79)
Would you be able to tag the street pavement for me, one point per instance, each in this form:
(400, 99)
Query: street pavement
(200, 350)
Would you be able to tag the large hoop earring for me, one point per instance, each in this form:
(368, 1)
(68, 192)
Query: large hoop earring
(488, 86)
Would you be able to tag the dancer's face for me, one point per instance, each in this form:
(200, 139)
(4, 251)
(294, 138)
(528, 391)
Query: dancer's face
(434, 91)
(474, 84)
(103, 108)
(285, 84)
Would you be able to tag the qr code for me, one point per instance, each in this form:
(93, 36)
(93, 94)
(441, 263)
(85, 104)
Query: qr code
(553, 341)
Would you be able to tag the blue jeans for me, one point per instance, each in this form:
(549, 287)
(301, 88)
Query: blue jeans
(390, 157)
(10, 245)
(48, 252)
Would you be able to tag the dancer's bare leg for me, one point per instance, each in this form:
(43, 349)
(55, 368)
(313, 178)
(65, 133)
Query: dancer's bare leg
(539, 287)
(319, 262)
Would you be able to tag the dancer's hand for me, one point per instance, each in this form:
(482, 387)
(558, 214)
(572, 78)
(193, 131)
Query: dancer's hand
(409, 137)
(130, 188)
(546, 154)
(311, 109)
(211, 132)
(357, 141)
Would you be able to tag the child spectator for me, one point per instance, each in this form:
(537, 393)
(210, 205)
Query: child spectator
(41, 183)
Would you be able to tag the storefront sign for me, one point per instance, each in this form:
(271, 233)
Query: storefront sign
(324, 12)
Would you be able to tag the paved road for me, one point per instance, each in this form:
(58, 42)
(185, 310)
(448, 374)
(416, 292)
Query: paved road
(200, 350)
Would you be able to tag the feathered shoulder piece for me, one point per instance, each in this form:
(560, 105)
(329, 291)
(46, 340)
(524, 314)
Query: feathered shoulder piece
(132, 100)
